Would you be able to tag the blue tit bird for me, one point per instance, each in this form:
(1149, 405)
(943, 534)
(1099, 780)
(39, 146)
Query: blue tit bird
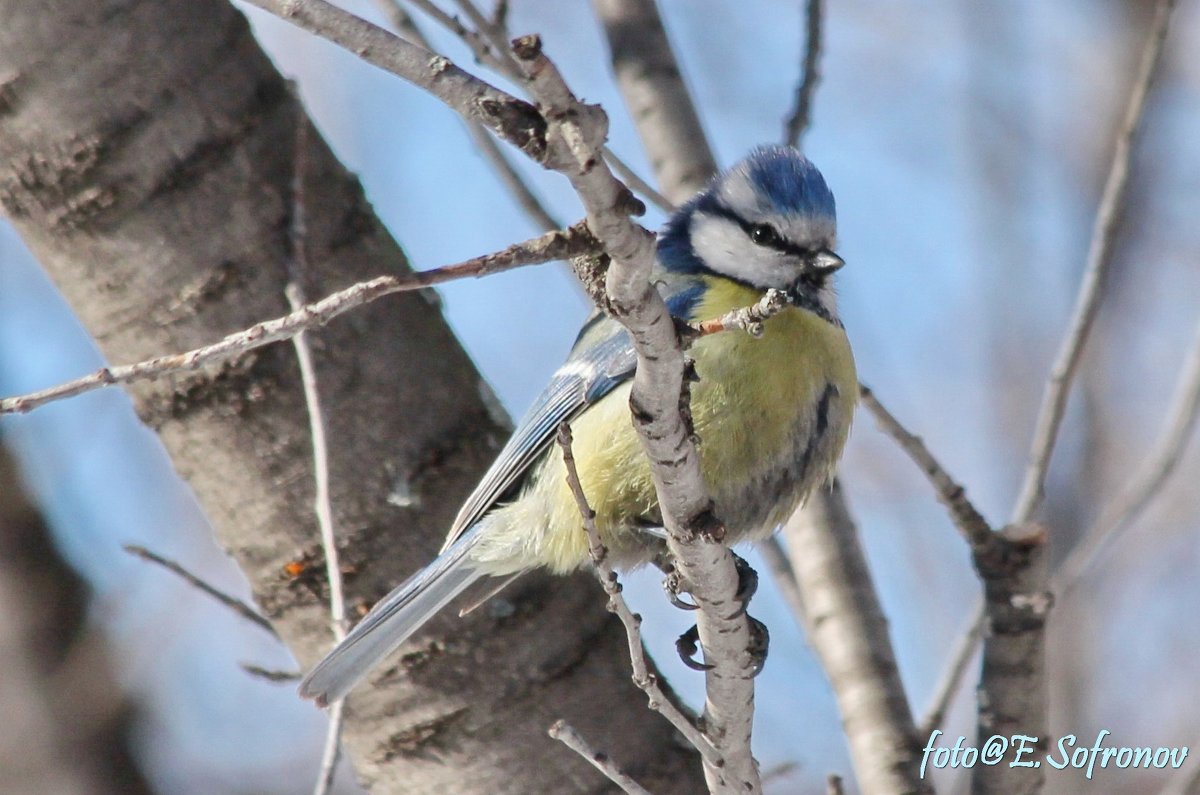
(772, 413)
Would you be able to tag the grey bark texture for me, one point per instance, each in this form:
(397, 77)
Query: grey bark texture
(146, 153)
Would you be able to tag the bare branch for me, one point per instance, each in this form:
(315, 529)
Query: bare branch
(506, 66)
(1012, 683)
(576, 132)
(322, 504)
(271, 674)
(850, 635)
(497, 62)
(966, 517)
(1147, 483)
(1017, 597)
(1116, 518)
(749, 318)
(572, 242)
(568, 736)
(656, 96)
(233, 603)
(484, 142)
(646, 681)
(493, 34)
(1087, 302)
(500, 15)
(513, 119)
(1013, 680)
(798, 123)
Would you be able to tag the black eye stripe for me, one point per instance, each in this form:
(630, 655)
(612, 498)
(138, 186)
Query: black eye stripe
(774, 240)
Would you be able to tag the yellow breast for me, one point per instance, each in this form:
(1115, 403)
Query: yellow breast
(772, 415)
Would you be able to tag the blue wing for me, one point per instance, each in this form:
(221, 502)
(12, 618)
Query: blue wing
(601, 358)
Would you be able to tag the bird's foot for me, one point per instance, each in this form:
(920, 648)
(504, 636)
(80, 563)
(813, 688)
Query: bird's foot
(674, 585)
(688, 645)
(747, 582)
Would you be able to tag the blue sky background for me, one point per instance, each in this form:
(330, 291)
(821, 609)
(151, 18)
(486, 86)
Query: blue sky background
(963, 142)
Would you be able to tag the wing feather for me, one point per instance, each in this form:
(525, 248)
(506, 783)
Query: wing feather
(602, 358)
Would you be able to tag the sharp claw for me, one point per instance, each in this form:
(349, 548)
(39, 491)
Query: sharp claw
(747, 582)
(687, 645)
(673, 586)
(760, 643)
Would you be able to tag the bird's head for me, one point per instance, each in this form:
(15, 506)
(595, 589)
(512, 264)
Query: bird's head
(769, 221)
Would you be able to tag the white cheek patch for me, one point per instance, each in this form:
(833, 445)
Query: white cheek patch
(723, 246)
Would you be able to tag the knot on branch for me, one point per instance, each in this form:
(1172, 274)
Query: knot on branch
(690, 376)
(1009, 552)
(528, 47)
(628, 203)
(521, 122)
(592, 271)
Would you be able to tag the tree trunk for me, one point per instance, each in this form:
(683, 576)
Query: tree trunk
(146, 155)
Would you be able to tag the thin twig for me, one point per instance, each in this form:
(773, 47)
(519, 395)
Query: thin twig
(507, 66)
(1116, 518)
(1013, 662)
(801, 117)
(513, 119)
(568, 736)
(646, 681)
(1147, 483)
(1112, 202)
(748, 318)
(404, 25)
(331, 751)
(350, 31)
(233, 603)
(492, 34)
(952, 677)
(500, 15)
(966, 517)
(271, 674)
(833, 784)
(474, 39)
(322, 504)
(572, 242)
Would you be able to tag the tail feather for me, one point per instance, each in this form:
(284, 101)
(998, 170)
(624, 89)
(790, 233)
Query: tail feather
(391, 621)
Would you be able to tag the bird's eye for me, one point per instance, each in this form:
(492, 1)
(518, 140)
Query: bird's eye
(764, 235)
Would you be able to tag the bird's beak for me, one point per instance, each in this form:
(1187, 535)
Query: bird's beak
(825, 261)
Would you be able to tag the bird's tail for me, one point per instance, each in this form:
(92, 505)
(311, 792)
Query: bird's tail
(391, 621)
